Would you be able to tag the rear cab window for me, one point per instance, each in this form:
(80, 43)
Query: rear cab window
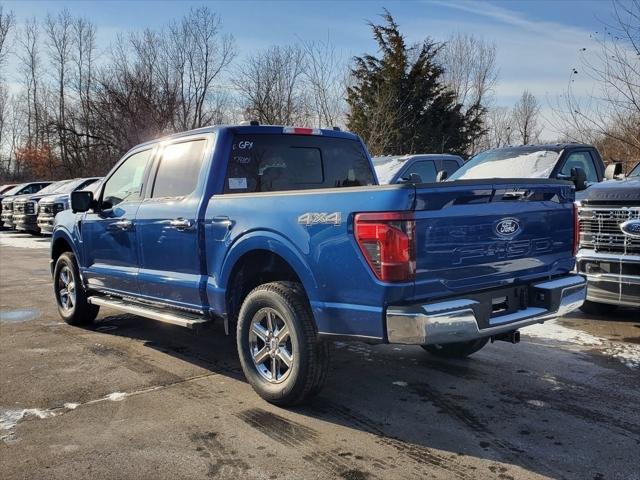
(273, 162)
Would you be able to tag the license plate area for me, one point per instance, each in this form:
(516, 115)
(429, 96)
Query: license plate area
(497, 303)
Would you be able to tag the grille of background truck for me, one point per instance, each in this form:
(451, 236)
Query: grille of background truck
(600, 229)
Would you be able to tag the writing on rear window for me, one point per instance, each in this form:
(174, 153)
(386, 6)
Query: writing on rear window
(272, 163)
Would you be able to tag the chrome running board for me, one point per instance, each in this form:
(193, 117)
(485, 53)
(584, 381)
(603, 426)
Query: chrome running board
(166, 315)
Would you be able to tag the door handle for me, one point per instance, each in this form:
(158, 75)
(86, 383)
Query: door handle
(223, 220)
(123, 224)
(180, 224)
(515, 194)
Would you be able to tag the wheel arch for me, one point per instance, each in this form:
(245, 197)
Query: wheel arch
(60, 243)
(262, 258)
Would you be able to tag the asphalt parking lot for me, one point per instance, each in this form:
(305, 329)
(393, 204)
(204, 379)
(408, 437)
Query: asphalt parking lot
(131, 397)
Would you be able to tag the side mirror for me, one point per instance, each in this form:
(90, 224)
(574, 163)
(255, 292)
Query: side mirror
(412, 178)
(82, 201)
(579, 178)
(613, 170)
(442, 176)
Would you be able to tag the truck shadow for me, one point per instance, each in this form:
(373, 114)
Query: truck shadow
(531, 406)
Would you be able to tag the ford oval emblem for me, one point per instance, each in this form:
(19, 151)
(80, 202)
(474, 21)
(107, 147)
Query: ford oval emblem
(631, 228)
(507, 227)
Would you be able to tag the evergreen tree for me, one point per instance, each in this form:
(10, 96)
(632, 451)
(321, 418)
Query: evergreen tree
(399, 103)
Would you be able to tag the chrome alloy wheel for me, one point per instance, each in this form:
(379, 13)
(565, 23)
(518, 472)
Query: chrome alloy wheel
(270, 345)
(66, 289)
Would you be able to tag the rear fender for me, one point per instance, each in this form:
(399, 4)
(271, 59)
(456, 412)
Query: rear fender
(263, 240)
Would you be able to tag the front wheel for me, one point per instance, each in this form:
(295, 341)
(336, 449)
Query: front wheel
(281, 355)
(70, 295)
(456, 350)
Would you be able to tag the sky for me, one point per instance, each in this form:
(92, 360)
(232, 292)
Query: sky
(538, 42)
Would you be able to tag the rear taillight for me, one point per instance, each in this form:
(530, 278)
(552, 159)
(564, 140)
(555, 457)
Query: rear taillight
(387, 241)
(576, 228)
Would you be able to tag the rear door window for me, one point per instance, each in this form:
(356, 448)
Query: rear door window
(179, 169)
(425, 168)
(270, 163)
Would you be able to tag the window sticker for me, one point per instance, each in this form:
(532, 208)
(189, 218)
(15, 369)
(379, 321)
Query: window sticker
(238, 183)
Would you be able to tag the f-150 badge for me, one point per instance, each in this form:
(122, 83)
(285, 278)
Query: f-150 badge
(507, 227)
(317, 218)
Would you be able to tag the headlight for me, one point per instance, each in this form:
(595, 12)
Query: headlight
(30, 207)
(58, 207)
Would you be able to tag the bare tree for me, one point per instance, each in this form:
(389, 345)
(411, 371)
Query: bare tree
(470, 71)
(7, 22)
(60, 38)
(611, 114)
(270, 86)
(325, 77)
(30, 66)
(500, 128)
(469, 68)
(198, 55)
(525, 118)
(84, 57)
(136, 98)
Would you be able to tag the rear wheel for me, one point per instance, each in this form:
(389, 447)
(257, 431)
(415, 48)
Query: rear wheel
(70, 295)
(281, 355)
(595, 308)
(456, 350)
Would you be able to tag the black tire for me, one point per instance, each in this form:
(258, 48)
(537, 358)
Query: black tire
(595, 308)
(309, 355)
(456, 350)
(80, 312)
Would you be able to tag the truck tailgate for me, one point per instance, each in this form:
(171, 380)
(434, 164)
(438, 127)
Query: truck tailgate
(487, 234)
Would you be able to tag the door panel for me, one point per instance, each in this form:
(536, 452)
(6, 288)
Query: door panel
(169, 253)
(111, 249)
(110, 234)
(170, 256)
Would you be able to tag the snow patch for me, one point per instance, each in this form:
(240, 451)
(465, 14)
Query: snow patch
(71, 406)
(23, 240)
(116, 396)
(400, 383)
(627, 354)
(386, 171)
(9, 418)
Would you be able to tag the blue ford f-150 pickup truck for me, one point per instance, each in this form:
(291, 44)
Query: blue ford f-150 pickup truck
(280, 233)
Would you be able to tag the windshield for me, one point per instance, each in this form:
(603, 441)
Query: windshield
(635, 172)
(15, 189)
(72, 185)
(53, 188)
(508, 163)
(387, 166)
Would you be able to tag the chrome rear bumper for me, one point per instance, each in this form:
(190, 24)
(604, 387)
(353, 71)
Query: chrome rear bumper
(453, 321)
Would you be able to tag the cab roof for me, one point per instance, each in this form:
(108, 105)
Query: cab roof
(253, 129)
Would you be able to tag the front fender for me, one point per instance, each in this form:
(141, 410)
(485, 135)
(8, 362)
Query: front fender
(66, 228)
